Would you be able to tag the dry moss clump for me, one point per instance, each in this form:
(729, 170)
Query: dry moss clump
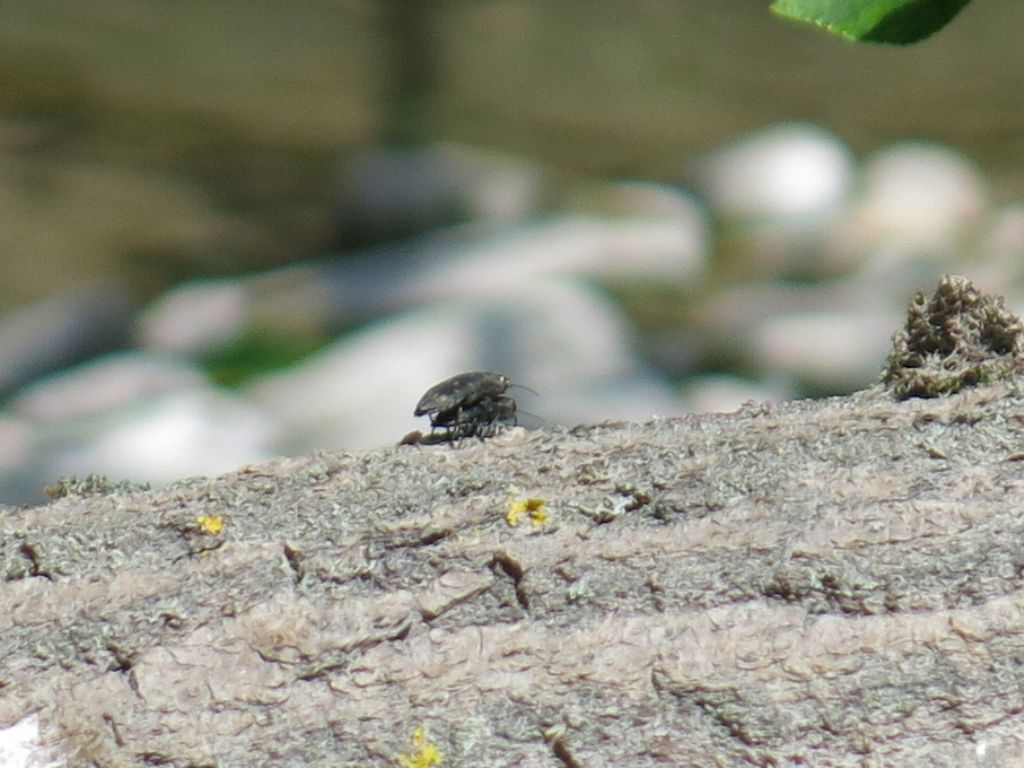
(957, 338)
(91, 485)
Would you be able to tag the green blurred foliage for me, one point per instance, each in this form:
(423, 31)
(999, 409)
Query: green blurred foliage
(900, 22)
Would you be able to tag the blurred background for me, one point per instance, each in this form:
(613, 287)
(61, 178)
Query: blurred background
(240, 229)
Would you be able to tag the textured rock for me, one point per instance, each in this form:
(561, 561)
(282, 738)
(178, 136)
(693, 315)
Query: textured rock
(826, 583)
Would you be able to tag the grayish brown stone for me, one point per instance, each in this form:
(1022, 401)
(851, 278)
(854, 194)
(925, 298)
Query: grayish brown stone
(822, 583)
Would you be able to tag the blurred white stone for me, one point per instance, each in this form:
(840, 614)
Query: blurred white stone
(17, 440)
(110, 382)
(560, 338)
(785, 171)
(62, 330)
(894, 271)
(195, 318)
(658, 250)
(666, 246)
(640, 205)
(19, 444)
(730, 316)
(1000, 252)
(130, 416)
(1005, 233)
(829, 337)
(915, 197)
(162, 438)
(829, 350)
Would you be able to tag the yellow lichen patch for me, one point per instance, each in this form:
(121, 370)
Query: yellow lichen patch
(424, 752)
(210, 524)
(531, 509)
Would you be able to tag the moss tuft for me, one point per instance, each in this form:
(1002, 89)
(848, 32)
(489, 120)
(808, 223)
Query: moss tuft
(91, 485)
(958, 338)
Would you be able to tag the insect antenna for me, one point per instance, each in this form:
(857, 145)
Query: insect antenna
(523, 386)
(540, 419)
(533, 391)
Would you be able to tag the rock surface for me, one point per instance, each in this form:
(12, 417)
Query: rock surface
(832, 582)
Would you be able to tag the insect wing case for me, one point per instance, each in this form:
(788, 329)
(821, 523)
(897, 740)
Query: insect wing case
(461, 391)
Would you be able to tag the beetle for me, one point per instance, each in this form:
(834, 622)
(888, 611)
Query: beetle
(470, 404)
(480, 419)
(461, 390)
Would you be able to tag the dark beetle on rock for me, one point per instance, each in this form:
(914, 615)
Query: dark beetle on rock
(461, 390)
(468, 405)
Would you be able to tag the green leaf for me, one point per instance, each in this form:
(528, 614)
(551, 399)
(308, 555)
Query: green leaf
(877, 21)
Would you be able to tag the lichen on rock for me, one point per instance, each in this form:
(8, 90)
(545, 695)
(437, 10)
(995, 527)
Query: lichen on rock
(955, 339)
